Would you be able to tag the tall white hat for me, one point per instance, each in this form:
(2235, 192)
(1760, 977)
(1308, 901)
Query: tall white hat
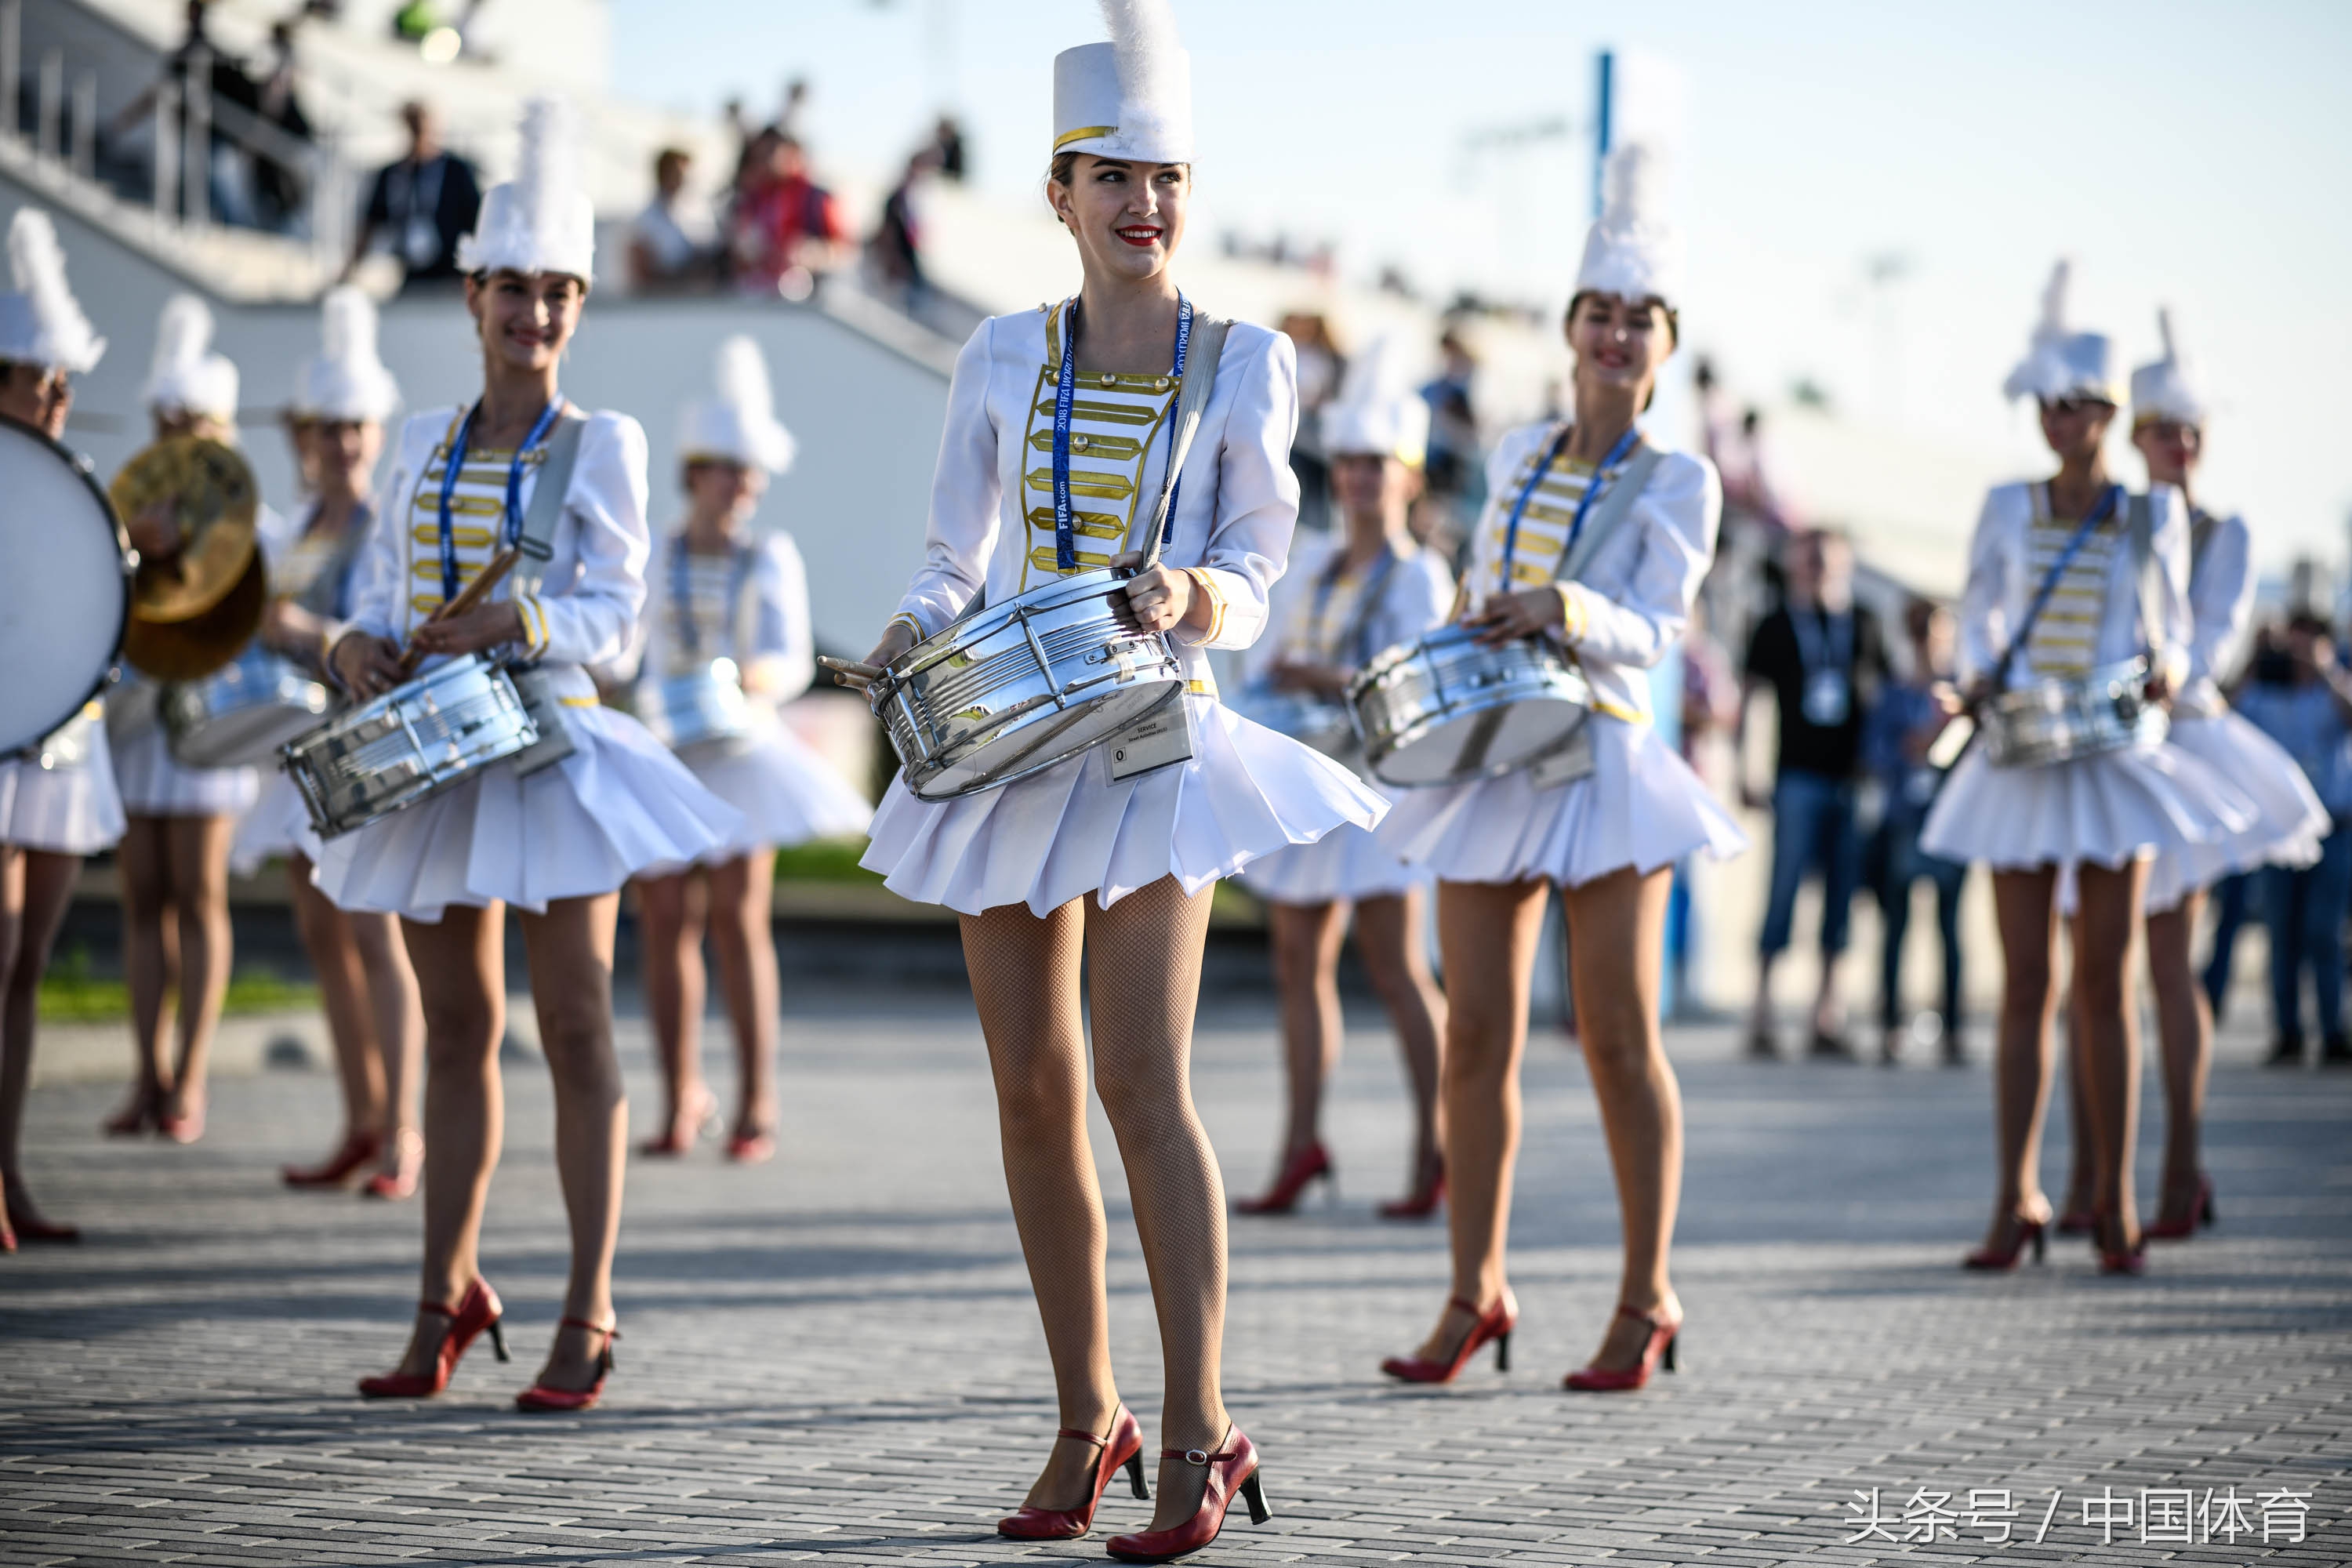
(347, 379)
(1379, 410)
(2062, 363)
(1633, 251)
(1130, 98)
(542, 220)
(2163, 390)
(738, 425)
(187, 376)
(42, 323)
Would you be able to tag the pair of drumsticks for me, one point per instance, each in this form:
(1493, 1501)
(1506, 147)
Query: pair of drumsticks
(473, 593)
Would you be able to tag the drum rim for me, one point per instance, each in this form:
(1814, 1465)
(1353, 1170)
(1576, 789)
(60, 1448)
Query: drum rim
(85, 470)
(1176, 682)
(915, 661)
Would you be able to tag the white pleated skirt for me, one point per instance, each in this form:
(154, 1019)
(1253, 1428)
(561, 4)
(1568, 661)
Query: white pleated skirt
(786, 791)
(152, 784)
(1345, 863)
(63, 811)
(2105, 810)
(1639, 807)
(278, 828)
(2289, 820)
(618, 805)
(1073, 830)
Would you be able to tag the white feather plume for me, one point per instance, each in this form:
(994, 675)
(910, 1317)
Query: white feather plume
(743, 378)
(182, 336)
(2052, 326)
(1379, 372)
(186, 375)
(347, 326)
(1633, 250)
(1143, 32)
(2167, 389)
(2164, 333)
(548, 167)
(37, 262)
(1633, 188)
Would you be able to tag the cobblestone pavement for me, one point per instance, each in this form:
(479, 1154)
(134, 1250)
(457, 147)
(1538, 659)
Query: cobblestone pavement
(835, 1355)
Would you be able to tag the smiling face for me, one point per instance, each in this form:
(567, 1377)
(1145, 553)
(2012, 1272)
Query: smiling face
(525, 319)
(1619, 343)
(345, 452)
(2171, 448)
(1128, 219)
(1370, 487)
(38, 395)
(721, 491)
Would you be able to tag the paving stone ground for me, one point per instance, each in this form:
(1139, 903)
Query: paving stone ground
(836, 1356)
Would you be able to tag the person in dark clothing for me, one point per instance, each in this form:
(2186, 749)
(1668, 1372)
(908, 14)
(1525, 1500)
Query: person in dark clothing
(1896, 736)
(1823, 659)
(422, 205)
(896, 249)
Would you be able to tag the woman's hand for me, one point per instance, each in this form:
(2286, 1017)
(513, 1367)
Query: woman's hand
(1158, 600)
(154, 531)
(366, 665)
(2158, 688)
(1509, 617)
(289, 628)
(483, 627)
(897, 638)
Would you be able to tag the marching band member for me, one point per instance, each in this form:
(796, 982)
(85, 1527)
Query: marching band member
(1607, 835)
(1373, 589)
(1071, 858)
(557, 845)
(174, 854)
(341, 399)
(2068, 576)
(719, 594)
(57, 807)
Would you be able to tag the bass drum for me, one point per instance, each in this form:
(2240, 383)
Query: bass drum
(65, 587)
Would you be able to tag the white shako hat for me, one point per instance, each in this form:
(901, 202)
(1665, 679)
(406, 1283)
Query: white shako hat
(2059, 361)
(1631, 251)
(1379, 410)
(2163, 390)
(1130, 98)
(347, 379)
(41, 323)
(739, 423)
(542, 220)
(187, 376)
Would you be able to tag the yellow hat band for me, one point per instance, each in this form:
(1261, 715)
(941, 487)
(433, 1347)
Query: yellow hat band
(1083, 134)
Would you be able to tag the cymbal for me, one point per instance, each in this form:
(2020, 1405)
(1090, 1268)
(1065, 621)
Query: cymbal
(210, 491)
(193, 648)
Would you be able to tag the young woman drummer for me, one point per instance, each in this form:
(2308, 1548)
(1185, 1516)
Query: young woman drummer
(2061, 582)
(50, 815)
(1609, 839)
(1070, 858)
(719, 594)
(1374, 590)
(176, 936)
(556, 846)
(342, 400)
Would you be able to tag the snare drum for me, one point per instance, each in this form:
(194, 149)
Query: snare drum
(704, 708)
(2106, 710)
(1447, 710)
(412, 742)
(242, 715)
(1304, 716)
(1018, 687)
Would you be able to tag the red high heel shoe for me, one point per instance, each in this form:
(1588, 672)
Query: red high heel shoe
(2200, 1213)
(1309, 1164)
(2000, 1260)
(1427, 1195)
(684, 1129)
(756, 1147)
(2130, 1261)
(539, 1397)
(1232, 1468)
(408, 1168)
(2076, 1222)
(138, 1117)
(26, 1230)
(476, 1311)
(183, 1126)
(8, 1237)
(1494, 1323)
(1123, 1449)
(1660, 1350)
(356, 1150)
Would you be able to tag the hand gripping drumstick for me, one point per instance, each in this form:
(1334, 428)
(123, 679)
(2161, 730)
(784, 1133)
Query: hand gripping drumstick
(867, 673)
(473, 593)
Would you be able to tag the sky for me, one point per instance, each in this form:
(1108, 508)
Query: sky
(2194, 155)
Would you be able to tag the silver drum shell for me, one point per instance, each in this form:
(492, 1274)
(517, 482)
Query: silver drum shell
(702, 708)
(240, 715)
(1314, 721)
(2056, 721)
(1011, 690)
(409, 744)
(1447, 710)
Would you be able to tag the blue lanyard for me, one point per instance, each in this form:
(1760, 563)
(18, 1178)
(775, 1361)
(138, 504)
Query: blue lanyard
(363, 519)
(1584, 502)
(2082, 531)
(1367, 602)
(1065, 392)
(450, 581)
(690, 636)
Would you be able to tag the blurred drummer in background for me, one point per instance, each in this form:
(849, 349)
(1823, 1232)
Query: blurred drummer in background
(176, 940)
(2067, 576)
(731, 608)
(341, 399)
(1605, 823)
(58, 804)
(557, 845)
(1372, 589)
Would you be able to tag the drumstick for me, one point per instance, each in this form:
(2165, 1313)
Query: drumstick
(865, 673)
(473, 593)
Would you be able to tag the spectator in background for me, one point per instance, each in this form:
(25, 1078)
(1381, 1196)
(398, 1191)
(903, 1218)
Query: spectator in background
(1321, 367)
(947, 149)
(420, 206)
(788, 229)
(1825, 661)
(671, 247)
(1710, 717)
(896, 250)
(790, 118)
(1456, 475)
(2301, 698)
(1896, 736)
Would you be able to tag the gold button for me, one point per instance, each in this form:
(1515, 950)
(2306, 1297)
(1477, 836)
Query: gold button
(1109, 379)
(1160, 384)
(1078, 443)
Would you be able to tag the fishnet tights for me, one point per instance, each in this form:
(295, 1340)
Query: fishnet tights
(1144, 984)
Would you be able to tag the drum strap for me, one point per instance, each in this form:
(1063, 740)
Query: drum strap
(1609, 513)
(329, 591)
(2147, 574)
(537, 541)
(1191, 398)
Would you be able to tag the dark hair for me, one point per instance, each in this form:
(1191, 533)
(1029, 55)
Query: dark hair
(1918, 616)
